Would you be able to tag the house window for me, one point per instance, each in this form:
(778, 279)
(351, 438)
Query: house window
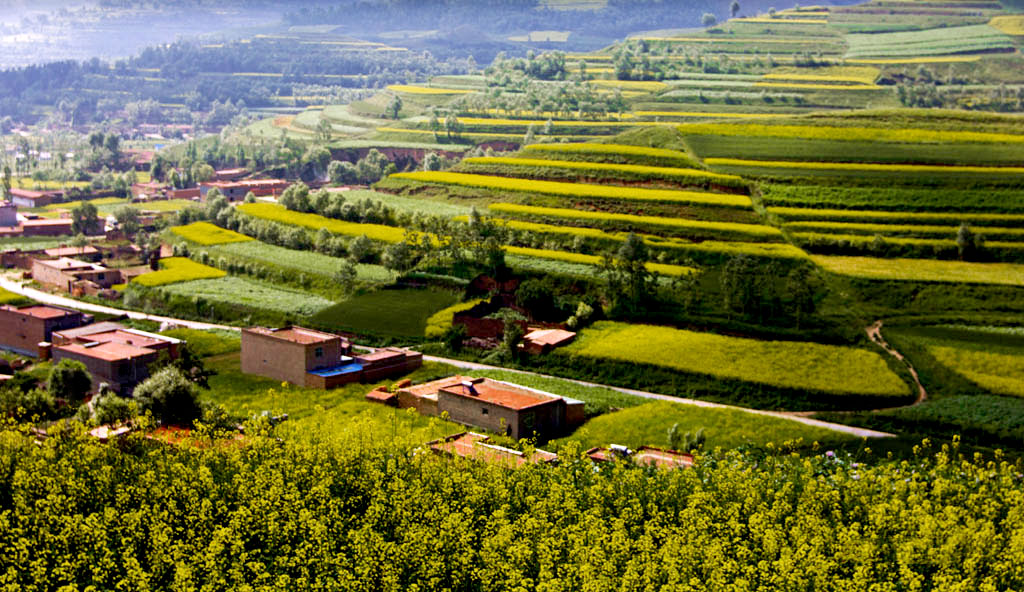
(319, 352)
(102, 276)
(123, 370)
(483, 411)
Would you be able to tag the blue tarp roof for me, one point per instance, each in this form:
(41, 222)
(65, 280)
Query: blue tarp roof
(338, 370)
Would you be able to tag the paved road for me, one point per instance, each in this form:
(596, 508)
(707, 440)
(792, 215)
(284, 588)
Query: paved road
(56, 300)
(47, 298)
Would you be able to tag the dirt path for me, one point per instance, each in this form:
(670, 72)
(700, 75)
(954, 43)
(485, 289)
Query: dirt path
(875, 334)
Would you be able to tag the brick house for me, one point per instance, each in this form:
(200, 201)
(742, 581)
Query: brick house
(113, 353)
(316, 359)
(28, 198)
(23, 328)
(501, 407)
(46, 227)
(290, 354)
(67, 274)
(147, 191)
(236, 190)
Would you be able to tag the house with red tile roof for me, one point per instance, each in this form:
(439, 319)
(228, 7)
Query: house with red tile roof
(501, 407)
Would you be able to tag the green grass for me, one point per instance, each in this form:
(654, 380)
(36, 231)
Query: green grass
(412, 205)
(990, 357)
(786, 364)
(322, 414)
(204, 233)
(208, 343)
(390, 313)
(31, 243)
(250, 293)
(648, 425)
(178, 269)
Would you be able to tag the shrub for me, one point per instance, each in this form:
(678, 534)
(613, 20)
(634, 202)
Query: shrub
(171, 397)
(70, 380)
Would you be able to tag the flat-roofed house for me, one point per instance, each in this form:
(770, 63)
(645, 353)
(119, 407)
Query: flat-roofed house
(658, 458)
(113, 353)
(8, 214)
(23, 328)
(236, 190)
(28, 198)
(65, 274)
(291, 354)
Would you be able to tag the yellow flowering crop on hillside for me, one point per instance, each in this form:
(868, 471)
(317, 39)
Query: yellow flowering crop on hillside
(923, 270)
(178, 269)
(860, 134)
(996, 372)
(278, 213)
(204, 233)
(426, 90)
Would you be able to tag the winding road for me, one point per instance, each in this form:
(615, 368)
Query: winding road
(46, 298)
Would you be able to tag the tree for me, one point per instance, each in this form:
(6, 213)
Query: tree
(69, 380)
(127, 219)
(85, 219)
(966, 242)
(395, 107)
(324, 132)
(342, 172)
(629, 282)
(202, 172)
(169, 396)
(190, 364)
(110, 408)
(7, 182)
(708, 20)
(399, 257)
(800, 292)
(734, 8)
(511, 337)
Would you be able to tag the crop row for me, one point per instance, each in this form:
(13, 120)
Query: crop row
(942, 41)
(298, 263)
(278, 213)
(426, 90)
(905, 230)
(880, 217)
(576, 190)
(857, 74)
(204, 233)
(618, 152)
(543, 167)
(902, 199)
(854, 167)
(868, 134)
(629, 222)
(594, 260)
(250, 294)
(178, 269)
(795, 365)
(923, 270)
(439, 322)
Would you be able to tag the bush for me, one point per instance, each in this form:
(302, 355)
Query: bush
(170, 396)
(69, 380)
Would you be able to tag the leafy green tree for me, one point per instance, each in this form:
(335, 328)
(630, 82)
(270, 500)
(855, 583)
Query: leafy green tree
(966, 242)
(800, 290)
(324, 132)
(734, 8)
(69, 380)
(342, 172)
(629, 284)
(170, 396)
(26, 404)
(202, 172)
(7, 182)
(708, 20)
(395, 107)
(109, 408)
(127, 219)
(85, 219)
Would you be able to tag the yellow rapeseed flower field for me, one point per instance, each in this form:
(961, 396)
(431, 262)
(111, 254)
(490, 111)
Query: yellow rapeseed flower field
(919, 60)
(1011, 24)
(636, 85)
(204, 233)
(923, 270)
(623, 149)
(661, 172)
(787, 364)
(998, 372)
(659, 268)
(858, 134)
(178, 269)
(812, 86)
(749, 231)
(857, 74)
(278, 213)
(576, 190)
